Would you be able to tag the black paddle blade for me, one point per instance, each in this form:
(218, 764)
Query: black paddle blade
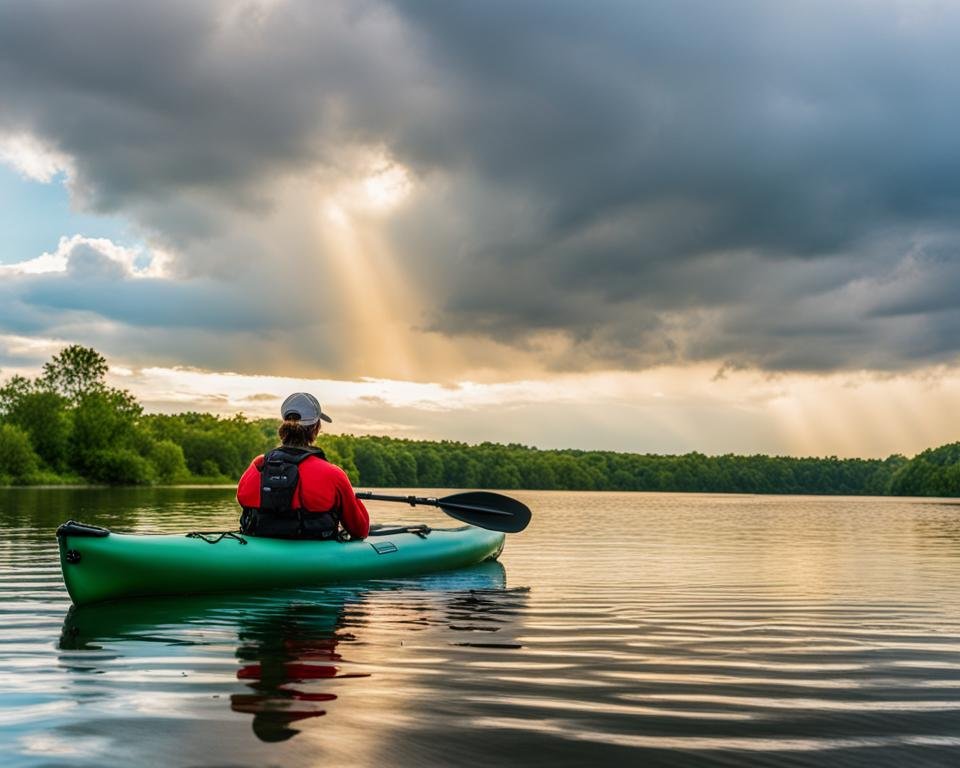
(492, 511)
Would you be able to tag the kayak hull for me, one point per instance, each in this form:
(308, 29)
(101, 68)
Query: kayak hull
(100, 565)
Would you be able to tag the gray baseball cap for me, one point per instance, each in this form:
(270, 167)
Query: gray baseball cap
(303, 406)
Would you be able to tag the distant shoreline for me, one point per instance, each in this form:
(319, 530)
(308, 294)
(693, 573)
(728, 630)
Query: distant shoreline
(231, 486)
(68, 427)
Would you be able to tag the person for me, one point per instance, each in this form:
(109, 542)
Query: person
(293, 492)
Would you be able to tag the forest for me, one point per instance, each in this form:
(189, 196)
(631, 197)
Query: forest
(68, 426)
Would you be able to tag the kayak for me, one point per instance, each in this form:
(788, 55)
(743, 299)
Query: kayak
(99, 564)
(300, 614)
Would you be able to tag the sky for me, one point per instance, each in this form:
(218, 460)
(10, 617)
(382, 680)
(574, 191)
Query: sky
(654, 227)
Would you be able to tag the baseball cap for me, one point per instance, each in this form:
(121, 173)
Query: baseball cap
(303, 406)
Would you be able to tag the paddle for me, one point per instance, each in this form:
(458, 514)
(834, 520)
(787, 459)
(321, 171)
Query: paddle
(492, 511)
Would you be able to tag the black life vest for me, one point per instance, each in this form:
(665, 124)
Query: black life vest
(275, 517)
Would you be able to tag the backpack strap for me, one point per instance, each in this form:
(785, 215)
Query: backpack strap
(296, 455)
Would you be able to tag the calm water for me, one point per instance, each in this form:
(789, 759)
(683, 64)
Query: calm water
(619, 629)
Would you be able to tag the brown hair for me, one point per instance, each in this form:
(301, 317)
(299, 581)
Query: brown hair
(298, 435)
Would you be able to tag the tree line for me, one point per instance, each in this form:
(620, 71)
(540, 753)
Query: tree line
(68, 426)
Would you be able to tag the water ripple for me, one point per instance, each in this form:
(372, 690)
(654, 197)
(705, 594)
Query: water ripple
(708, 631)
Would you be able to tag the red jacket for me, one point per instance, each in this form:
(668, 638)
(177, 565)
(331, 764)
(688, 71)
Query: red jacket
(323, 486)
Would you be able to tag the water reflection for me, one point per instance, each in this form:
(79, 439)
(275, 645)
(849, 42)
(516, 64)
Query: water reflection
(285, 656)
(707, 631)
(290, 644)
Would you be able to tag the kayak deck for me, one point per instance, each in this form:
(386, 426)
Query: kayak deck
(99, 565)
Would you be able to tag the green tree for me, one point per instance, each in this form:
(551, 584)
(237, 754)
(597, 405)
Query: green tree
(213, 447)
(75, 371)
(117, 466)
(429, 467)
(104, 424)
(403, 467)
(169, 465)
(18, 462)
(502, 475)
(460, 470)
(207, 454)
(42, 414)
(371, 465)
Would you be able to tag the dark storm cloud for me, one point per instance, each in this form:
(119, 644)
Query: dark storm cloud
(744, 182)
(685, 163)
(154, 99)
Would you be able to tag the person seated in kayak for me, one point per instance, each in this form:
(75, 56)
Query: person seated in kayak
(293, 492)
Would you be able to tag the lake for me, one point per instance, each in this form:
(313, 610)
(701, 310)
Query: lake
(618, 629)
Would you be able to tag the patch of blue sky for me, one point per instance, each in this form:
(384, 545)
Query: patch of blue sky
(34, 216)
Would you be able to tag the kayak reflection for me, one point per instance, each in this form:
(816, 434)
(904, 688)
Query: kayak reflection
(290, 643)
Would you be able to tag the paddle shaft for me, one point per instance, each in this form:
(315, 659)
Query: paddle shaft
(484, 509)
(427, 501)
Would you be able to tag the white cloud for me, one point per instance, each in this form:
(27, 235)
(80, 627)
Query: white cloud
(46, 262)
(31, 349)
(33, 158)
(79, 253)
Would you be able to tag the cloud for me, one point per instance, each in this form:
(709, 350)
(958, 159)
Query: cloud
(184, 98)
(689, 181)
(122, 300)
(32, 159)
(432, 189)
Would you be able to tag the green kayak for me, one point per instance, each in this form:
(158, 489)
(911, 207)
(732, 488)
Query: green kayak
(100, 565)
